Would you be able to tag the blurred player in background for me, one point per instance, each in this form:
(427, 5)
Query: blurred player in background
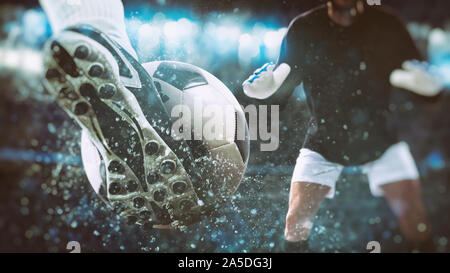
(349, 56)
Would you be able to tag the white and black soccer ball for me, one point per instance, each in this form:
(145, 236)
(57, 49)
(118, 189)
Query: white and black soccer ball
(207, 105)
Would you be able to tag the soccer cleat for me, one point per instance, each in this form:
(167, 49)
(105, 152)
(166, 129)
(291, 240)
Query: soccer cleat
(151, 179)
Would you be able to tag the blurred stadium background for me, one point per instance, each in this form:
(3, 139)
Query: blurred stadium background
(45, 200)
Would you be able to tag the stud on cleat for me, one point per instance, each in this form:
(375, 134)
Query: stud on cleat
(67, 93)
(55, 47)
(152, 178)
(131, 186)
(87, 90)
(138, 202)
(107, 91)
(81, 108)
(119, 207)
(114, 188)
(159, 195)
(168, 166)
(161, 214)
(145, 215)
(82, 52)
(186, 205)
(64, 60)
(179, 187)
(96, 70)
(52, 74)
(116, 167)
(151, 148)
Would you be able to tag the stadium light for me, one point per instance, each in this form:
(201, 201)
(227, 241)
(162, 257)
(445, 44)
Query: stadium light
(248, 48)
(171, 31)
(148, 36)
(26, 60)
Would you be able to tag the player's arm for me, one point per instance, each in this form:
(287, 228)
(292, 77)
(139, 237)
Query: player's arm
(415, 74)
(276, 83)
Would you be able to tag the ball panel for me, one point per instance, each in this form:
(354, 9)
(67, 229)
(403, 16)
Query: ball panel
(242, 136)
(170, 95)
(180, 75)
(231, 169)
(91, 161)
(151, 67)
(217, 115)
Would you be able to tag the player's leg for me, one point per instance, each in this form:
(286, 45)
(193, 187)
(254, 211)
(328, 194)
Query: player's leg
(304, 201)
(404, 198)
(105, 15)
(395, 176)
(314, 179)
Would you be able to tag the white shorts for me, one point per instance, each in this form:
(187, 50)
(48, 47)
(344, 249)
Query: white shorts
(396, 164)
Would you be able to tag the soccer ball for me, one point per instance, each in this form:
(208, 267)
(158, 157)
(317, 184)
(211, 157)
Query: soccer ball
(207, 115)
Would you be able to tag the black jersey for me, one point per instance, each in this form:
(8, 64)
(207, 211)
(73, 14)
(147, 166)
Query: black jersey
(345, 74)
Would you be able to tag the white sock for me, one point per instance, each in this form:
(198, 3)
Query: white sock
(104, 15)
